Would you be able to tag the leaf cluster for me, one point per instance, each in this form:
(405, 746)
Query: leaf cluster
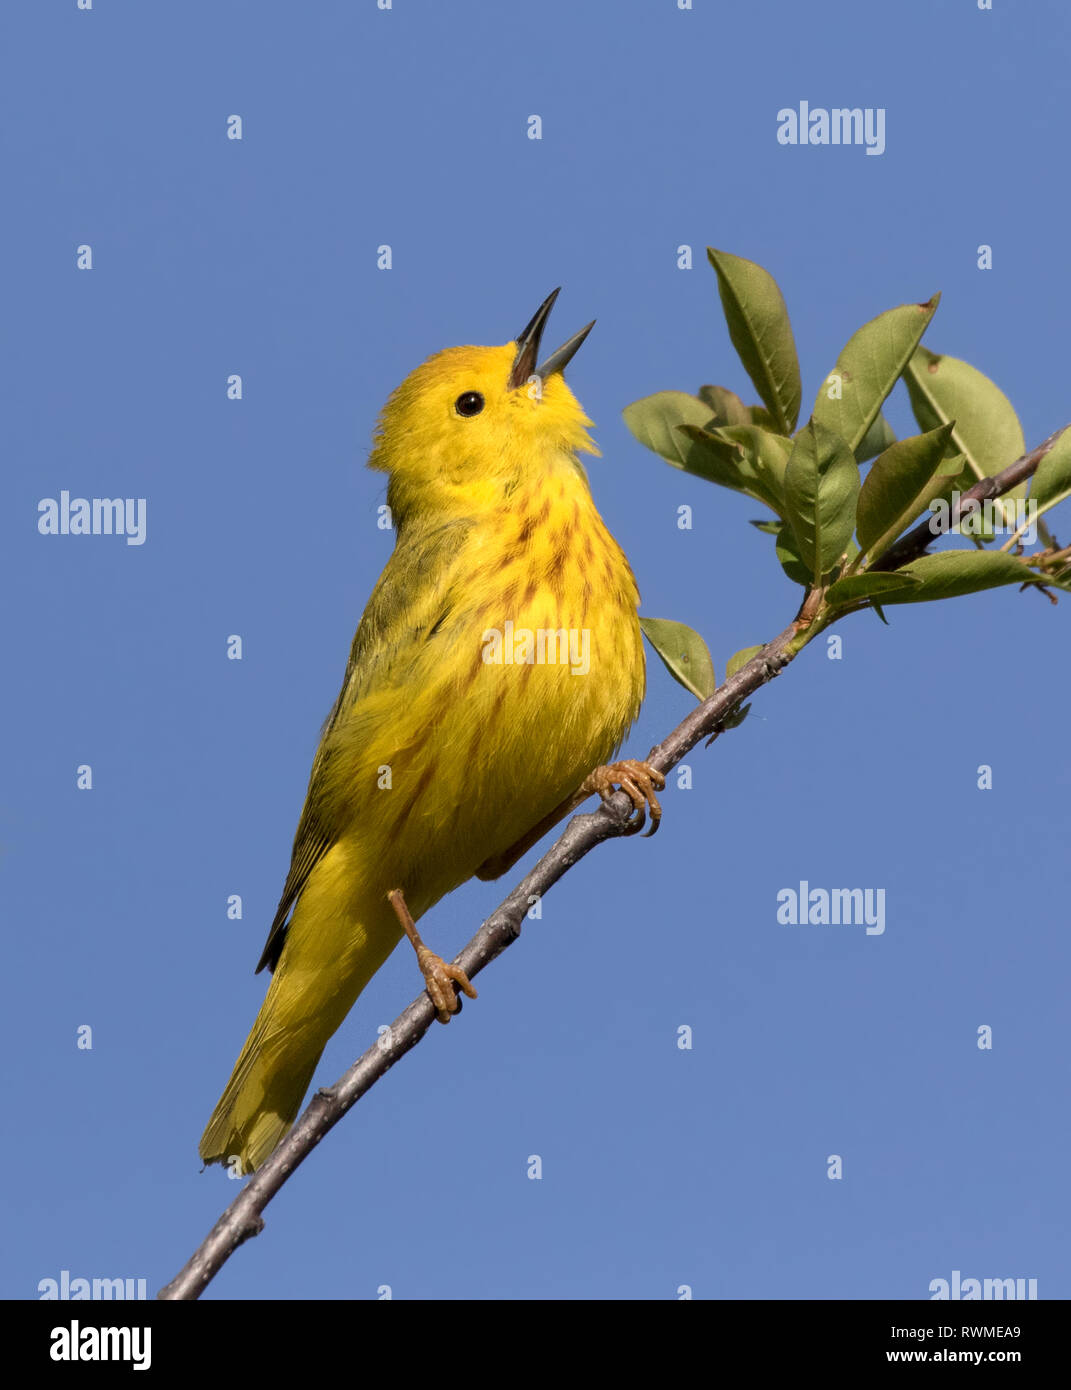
(833, 517)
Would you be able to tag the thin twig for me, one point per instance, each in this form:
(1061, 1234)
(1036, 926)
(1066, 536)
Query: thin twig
(914, 544)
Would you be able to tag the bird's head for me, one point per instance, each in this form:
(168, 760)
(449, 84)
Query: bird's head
(476, 419)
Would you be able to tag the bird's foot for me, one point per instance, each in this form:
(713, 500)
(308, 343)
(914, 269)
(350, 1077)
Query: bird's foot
(439, 977)
(638, 780)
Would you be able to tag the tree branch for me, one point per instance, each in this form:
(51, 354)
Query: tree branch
(709, 720)
(914, 544)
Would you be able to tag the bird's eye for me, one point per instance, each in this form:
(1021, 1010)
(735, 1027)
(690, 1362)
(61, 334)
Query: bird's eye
(469, 403)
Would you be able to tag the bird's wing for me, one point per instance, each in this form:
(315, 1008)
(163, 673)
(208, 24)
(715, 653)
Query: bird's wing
(410, 601)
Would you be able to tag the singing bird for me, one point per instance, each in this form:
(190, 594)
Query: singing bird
(496, 669)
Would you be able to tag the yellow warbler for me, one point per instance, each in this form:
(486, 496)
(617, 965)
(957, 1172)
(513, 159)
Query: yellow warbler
(498, 662)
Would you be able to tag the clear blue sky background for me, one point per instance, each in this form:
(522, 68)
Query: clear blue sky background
(661, 1167)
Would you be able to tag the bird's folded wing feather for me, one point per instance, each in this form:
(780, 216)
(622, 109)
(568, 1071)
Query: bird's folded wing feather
(413, 596)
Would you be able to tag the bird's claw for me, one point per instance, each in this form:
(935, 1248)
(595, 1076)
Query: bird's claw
(440, 979)
(639, 781)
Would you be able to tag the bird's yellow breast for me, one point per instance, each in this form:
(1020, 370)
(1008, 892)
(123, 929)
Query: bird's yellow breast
(525, 687)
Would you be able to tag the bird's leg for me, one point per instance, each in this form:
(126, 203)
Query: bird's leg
(439, 977)
(639, 780)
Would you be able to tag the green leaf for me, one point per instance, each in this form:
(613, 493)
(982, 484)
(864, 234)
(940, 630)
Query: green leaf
(789, 556)
(741, 658)
(986, 430)
(772, 528)
(671, 423)
(858, 586)
(722, 460)
(732, 456)
(684, 654)
(726, 406)
(821, 490)
(654, 421)
(1061, 579)
(734, 720)
(760, 331)
(868, 368)
(765, 456)
(952, 573)
(877, 438)
(900, 484)
(1052, 481)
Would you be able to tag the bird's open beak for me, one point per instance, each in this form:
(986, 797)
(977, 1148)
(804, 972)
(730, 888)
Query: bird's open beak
(528, 347)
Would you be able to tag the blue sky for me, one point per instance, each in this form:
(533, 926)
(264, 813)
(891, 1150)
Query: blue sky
(407, 127)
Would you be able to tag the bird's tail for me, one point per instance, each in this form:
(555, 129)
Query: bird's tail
(263, 1096)
(309, 996)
